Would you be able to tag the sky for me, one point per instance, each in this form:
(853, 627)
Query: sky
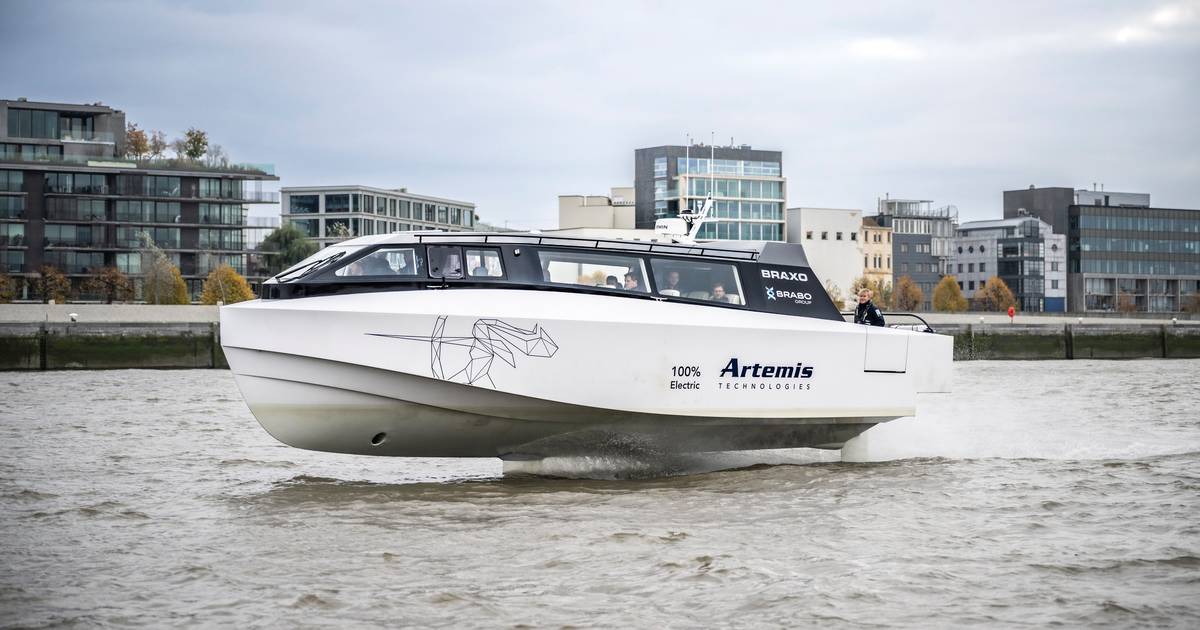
(510, 104)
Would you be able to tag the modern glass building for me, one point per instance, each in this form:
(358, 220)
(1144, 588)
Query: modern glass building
(330, 214)
(70, 199)
(1122, 254)
(747, 185)
(921, 240)
(1023, 252)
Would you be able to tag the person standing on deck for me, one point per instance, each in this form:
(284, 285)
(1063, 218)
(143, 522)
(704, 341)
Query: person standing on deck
(866, 312)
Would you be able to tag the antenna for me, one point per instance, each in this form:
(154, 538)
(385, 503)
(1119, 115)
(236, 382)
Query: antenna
(712, 158)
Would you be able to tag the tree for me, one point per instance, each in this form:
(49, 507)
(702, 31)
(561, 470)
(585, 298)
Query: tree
(994, 296)
(51, 284)
(287, 246)
(137, 145)
(1126, 302)
(907, 296)
(195, 143)
(8, 288)
(216, 157)
(110, 284)
(881, 291)
(225, 284)
(835, 294)
(179, 147)
(948, 297)
(163, 284)
(158, 146)
(1191, 304)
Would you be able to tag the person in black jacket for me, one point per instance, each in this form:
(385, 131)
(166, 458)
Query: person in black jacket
(867, 313)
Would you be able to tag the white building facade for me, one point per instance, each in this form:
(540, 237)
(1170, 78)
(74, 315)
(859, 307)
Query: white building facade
(330, 214)
(831, 243)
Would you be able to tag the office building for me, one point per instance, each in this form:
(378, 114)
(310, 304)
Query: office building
(1023, 252)
(616, 211)
(877, 252)
(921, 241)
(1122, 253)
(330, 214)
(830, 240)
(71, 199)
(747, 185)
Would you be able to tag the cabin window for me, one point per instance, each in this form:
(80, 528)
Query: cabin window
(484, 263)
(445, 262)
(399, 261)
(697, 280)
(624, 273)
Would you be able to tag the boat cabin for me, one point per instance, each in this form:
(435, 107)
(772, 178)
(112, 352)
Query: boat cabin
(770, 277)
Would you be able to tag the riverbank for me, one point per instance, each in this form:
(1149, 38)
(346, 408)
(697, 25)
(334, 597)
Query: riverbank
(40, 337)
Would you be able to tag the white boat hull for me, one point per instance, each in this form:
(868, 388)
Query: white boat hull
(525, 374)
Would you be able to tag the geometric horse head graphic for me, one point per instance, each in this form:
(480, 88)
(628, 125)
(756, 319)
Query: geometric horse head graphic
(470, 359)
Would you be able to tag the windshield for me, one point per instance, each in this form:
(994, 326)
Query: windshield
(315, 262)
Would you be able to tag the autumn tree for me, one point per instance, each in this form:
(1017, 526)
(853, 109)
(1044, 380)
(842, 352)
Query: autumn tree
(225, 284)
(8, 288)
(110, 284)
(835, 294)
(51, 284)
(881, 291)
(907, 296)
(195, 143)
(994, 295)
(948, 297)
(179, 147)
(1126, 303)
(157, 147)
(286, 246)
(163, 284)
(1191, 304)
(137, 145)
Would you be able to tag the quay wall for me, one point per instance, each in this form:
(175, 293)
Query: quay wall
(54, 345)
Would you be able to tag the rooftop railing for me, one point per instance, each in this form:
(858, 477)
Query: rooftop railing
(167, 164)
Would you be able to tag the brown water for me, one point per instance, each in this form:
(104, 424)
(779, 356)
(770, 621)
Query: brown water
(1037, 494)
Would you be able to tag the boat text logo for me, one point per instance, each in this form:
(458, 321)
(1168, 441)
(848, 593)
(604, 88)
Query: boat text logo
(741, 375)
(794, 276)
(799, 297)
(739, 369)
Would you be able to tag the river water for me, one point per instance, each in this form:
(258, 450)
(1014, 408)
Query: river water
(1038, 493)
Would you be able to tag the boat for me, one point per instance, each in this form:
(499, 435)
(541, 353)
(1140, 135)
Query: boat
(524, 346)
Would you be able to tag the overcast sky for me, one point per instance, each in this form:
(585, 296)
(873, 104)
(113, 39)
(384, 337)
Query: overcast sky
(510, 104)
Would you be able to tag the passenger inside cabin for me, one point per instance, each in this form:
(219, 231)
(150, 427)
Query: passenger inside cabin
(670, 284)
(631, 282)
(612, 282)
(718, 293)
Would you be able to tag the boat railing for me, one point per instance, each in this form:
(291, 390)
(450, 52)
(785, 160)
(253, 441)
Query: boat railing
(920, 325)
(696, 249)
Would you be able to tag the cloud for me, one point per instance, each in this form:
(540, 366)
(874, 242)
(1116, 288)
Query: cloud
(509, 104)
(1167, 21)
(885, 48)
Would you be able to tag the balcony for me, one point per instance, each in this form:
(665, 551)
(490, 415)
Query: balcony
(87, 136)
(241, 196)
(97, 189)
(93, 242)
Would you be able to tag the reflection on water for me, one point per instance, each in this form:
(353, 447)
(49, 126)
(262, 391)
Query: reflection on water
(1038, 493)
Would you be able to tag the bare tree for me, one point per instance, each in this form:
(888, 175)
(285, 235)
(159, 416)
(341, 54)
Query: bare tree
(158, 145)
